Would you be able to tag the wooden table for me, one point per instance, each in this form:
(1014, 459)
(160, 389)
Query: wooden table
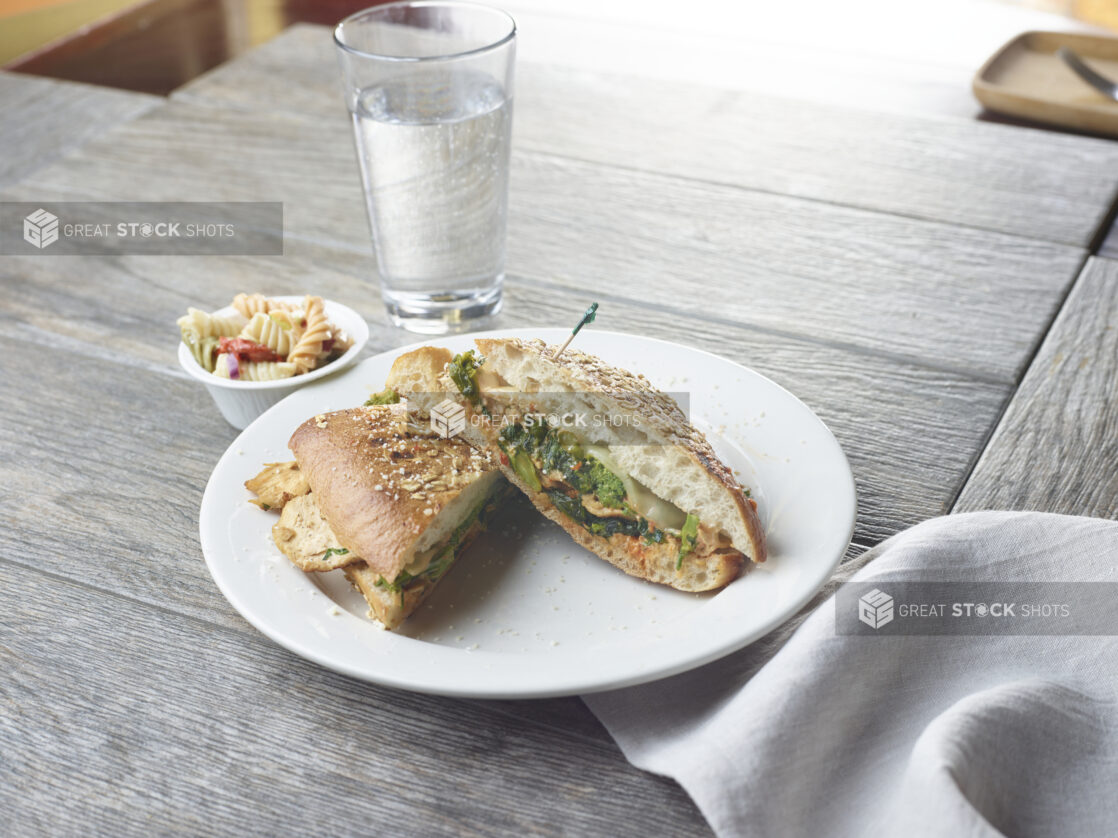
(926, 282)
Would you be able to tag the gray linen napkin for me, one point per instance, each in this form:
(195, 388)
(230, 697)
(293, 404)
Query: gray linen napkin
(811, 732)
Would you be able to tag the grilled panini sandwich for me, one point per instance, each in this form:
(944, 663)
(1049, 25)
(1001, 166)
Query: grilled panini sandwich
(632, 481)
(391, 504)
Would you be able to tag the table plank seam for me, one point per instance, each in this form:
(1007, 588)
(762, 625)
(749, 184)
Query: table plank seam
(521, 148)
(1104, 228)
(1016, 385)
(1078, 245)
(42, 337)
(830, 343)
(55, 340)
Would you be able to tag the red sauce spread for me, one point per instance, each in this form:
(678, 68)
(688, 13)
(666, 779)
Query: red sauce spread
(247, 350)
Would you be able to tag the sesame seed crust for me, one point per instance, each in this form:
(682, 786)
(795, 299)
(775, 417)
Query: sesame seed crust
(630, 392)
(378, 481)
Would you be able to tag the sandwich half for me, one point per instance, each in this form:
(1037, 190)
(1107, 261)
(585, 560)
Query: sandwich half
(610, 459)
(389, 503)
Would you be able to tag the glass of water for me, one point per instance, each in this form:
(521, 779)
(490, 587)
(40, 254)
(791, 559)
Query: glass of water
(429, 86)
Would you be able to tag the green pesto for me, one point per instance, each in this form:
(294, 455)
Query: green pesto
(558, 451)
(607, 486)
(463, 372)
(605, 527)
(687, 537)
(385, 396)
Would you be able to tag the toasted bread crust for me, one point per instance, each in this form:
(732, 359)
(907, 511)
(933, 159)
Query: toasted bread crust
(378, 486)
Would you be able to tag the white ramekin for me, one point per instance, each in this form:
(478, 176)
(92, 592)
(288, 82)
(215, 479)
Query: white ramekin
(242, 401)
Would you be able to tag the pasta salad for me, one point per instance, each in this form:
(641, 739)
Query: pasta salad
(263, 339)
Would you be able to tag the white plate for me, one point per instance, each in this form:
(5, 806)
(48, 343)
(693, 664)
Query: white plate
(526, 612)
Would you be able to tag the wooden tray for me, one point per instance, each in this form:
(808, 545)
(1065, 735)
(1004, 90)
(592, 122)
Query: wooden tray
(1026, 78)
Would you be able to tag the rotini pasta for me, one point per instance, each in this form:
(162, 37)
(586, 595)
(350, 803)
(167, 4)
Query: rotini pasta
(198, 324)
(317, 331)
(250, 304)
(201, 332)
(288, 319)
(204, 352)
(264, 339)
(250, 371)
(269, 331)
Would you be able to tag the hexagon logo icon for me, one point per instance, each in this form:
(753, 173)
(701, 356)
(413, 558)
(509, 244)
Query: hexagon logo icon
(448, 418)
(875, 609)
(40, 229)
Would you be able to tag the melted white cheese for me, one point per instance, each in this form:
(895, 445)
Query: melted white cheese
(651, 506)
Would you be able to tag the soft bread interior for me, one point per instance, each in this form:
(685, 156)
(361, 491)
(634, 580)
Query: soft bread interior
(659, 450)
(416, 377)
(444, 524)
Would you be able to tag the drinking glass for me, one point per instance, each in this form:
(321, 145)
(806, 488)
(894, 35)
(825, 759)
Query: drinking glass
(429, 86)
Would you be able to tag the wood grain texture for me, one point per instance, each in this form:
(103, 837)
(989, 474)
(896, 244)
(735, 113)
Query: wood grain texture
(737, 61)
(1038, 184)
(43, 119)
(952, 297)
(1056, 448)
(140, 698)
(121, 719)
(855, 278)
(109, 341)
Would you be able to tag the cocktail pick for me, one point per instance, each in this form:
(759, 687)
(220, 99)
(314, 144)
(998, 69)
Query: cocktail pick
(591, 313)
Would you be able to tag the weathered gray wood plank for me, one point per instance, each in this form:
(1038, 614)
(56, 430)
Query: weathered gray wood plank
(952, 297)
(1039, 184)
(1056, 448)
(948, 297)
(122, 719)
(874, 29)
(303, 54)
(45, 118)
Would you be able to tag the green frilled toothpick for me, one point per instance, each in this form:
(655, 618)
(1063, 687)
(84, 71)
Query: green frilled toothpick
(591, 313)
